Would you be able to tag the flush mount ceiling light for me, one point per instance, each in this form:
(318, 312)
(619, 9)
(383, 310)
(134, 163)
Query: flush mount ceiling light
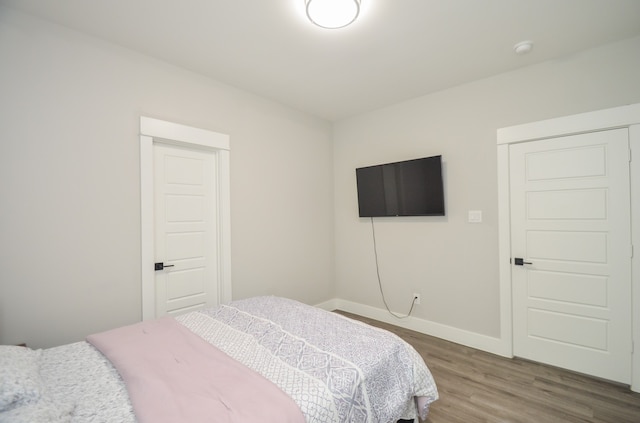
(523, 47)
(332, 14)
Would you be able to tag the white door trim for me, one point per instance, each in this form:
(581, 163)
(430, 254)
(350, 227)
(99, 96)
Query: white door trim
(173, 133)
(618, 117)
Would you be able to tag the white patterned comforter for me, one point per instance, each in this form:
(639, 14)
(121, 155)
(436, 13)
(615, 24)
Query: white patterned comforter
(336, 369)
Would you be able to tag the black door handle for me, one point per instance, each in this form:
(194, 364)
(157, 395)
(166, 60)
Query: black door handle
(519, 261)
(161, 265)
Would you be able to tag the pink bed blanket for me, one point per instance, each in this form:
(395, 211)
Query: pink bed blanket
(173, 375)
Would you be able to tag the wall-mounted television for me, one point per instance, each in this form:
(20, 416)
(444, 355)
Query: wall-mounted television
(407, 188)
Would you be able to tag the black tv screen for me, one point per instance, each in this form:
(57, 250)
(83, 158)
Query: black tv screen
(407, 188)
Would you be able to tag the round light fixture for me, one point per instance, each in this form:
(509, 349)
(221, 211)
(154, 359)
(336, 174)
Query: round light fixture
(523, 47)
(332, 14)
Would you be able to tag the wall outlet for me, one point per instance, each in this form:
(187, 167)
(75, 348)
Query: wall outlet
(416, 298)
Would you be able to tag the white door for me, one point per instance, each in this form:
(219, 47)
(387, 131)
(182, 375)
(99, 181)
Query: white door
(186, 276)
(570, 222)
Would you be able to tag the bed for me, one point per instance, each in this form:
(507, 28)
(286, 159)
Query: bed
(329, 367)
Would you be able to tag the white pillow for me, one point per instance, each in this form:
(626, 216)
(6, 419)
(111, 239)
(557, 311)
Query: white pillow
(20, 381)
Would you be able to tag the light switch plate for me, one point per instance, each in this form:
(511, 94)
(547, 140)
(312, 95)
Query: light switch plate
(475, 216)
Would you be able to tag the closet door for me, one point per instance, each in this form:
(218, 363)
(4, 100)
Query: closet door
(185, 218)
(571, 252)
(186, 231)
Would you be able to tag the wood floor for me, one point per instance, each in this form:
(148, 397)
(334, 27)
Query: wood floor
(478, 387)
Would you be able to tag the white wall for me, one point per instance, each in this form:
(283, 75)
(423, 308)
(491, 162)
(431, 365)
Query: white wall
(69, 172)
(452, 263)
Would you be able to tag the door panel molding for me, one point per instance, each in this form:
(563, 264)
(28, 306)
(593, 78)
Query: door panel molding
(590, 340)
(159, 131)
(618, 117)
(186, 228)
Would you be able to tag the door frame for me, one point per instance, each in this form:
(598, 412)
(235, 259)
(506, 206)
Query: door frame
(160, 131)
(617, 117)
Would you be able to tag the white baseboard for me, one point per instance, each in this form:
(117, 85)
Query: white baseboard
(449, 333)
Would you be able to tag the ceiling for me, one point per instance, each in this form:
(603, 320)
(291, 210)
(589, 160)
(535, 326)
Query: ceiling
(395, 51)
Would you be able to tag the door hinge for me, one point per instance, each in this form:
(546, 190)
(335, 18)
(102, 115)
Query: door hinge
(631, 255)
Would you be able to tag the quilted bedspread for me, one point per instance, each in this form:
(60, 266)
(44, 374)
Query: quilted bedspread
(336, 369)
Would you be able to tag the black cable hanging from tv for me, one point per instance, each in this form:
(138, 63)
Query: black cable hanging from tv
(375, 252)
